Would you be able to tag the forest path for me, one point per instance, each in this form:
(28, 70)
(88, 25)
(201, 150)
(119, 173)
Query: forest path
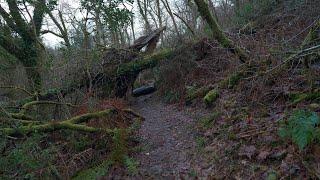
(168, 140)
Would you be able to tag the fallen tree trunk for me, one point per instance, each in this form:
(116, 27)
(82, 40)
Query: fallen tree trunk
(113, 81)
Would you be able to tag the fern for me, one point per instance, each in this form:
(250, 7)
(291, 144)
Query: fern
(301, 128)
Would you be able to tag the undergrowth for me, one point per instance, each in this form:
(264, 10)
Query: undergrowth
(301, 128)
(27, 160)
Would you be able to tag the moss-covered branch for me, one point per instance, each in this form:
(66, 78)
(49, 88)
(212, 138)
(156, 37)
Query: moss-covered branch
(28, 105)
(138, 65)
(71, 124)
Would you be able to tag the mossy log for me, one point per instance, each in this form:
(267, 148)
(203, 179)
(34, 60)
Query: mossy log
(218, 34)
(211, 97)
(139, 65)
(71, 124)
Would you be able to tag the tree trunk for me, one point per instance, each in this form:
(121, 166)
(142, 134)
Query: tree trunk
(218, 34)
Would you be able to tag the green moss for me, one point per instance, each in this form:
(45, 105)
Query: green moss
(200, 92)
(211, 97)
(141, 64)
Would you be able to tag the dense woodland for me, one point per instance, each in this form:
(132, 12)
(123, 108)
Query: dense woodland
(160, 89)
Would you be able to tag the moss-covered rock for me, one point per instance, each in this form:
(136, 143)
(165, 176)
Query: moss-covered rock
(197, 93)
(211, 97)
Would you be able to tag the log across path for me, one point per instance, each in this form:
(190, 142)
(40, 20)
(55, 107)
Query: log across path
(168, 140)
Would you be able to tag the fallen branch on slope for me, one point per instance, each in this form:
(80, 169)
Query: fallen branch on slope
(71, 124)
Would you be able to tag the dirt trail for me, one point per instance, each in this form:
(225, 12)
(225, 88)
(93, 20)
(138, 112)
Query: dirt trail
(167, 138)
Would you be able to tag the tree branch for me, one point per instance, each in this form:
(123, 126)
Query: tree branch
(21, 25)
(7, 18)
(71, 124)
(49, 31)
